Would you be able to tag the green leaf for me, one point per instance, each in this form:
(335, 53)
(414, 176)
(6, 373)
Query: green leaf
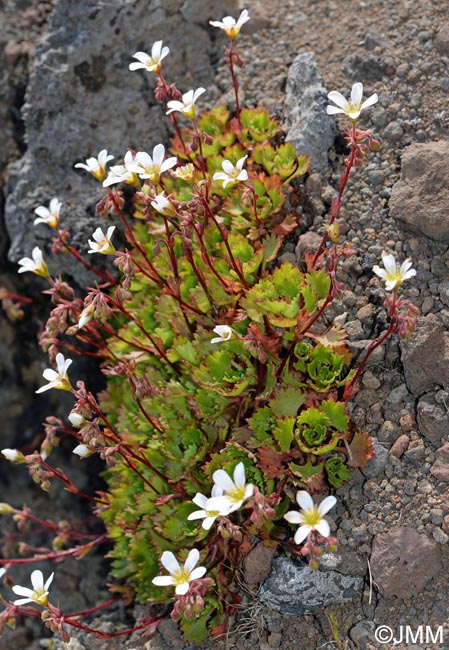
(320, 283)
(287, 402)
(262, 421)
(336, 471)
(335, 411)
(283, 433)
(307, 471)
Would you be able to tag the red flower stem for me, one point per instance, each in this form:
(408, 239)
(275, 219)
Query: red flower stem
(71, 487)
(235, 83)
(197, 135)
(109, 330)
(254, 195)
(224, 236)
(57, 555)
(93, 404)
(373, 346)
(18, 298)
(207, 259)
(173, 119)
(86, 612)
(50, 525)
(336, 204)
(200, 277)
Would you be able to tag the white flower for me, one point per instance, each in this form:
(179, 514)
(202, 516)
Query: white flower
(187, 106)
(352, 108)
(224, 333)
(38, 594)
(230, 25)
(208, 515)
(2, 572)
(393, 274)
(57, 379)
(163, 205)
(151, 63)
(13, 455)
(180, 576)
(97, 166)
(152, 167)
(36, 265)
(49, 215)
(122, 173)
(186, 172)
(83, 451)
(235, 492)
(86, 315)
(231, 174)
(102, 243)
(311, 517)
(76, 419)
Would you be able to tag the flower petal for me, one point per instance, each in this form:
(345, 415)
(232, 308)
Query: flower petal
(22, 591)
(304, 500)
(338, 99)
(192, 559)
(162, 581)
(182, 589)
(294, 517)
(389, 262)
(23, 601)
(169, 561)
(37, 580)
(326, 504)
(158, 154)
(357, 94)
(198, 573)
(301, 534)
(333, 110)
(228, 166)
(373, 99)
(239, 475)
(223, 479)
(49, 581)
(323, 528)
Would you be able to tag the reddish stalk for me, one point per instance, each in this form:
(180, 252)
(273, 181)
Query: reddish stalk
(348, 392)
(336, 203)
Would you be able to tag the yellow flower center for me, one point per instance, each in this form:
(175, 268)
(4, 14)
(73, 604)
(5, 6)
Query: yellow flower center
(311, 517)
(396, 276)
(181, 576)
(236, 494)
(40, 597)
(353, 111)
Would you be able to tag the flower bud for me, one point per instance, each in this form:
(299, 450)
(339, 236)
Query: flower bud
(6, 509)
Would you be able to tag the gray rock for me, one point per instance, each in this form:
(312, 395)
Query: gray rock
(377, 464)
(420, 197)
(442, 40)
(362, 632)
(433, 421)
(373, 40)
(82, 98)
(370, 67)
(311, 130)
(425, 356)
(440, 468)
(393, 132)
(293, 588)
(397, 561)
(344, 561)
